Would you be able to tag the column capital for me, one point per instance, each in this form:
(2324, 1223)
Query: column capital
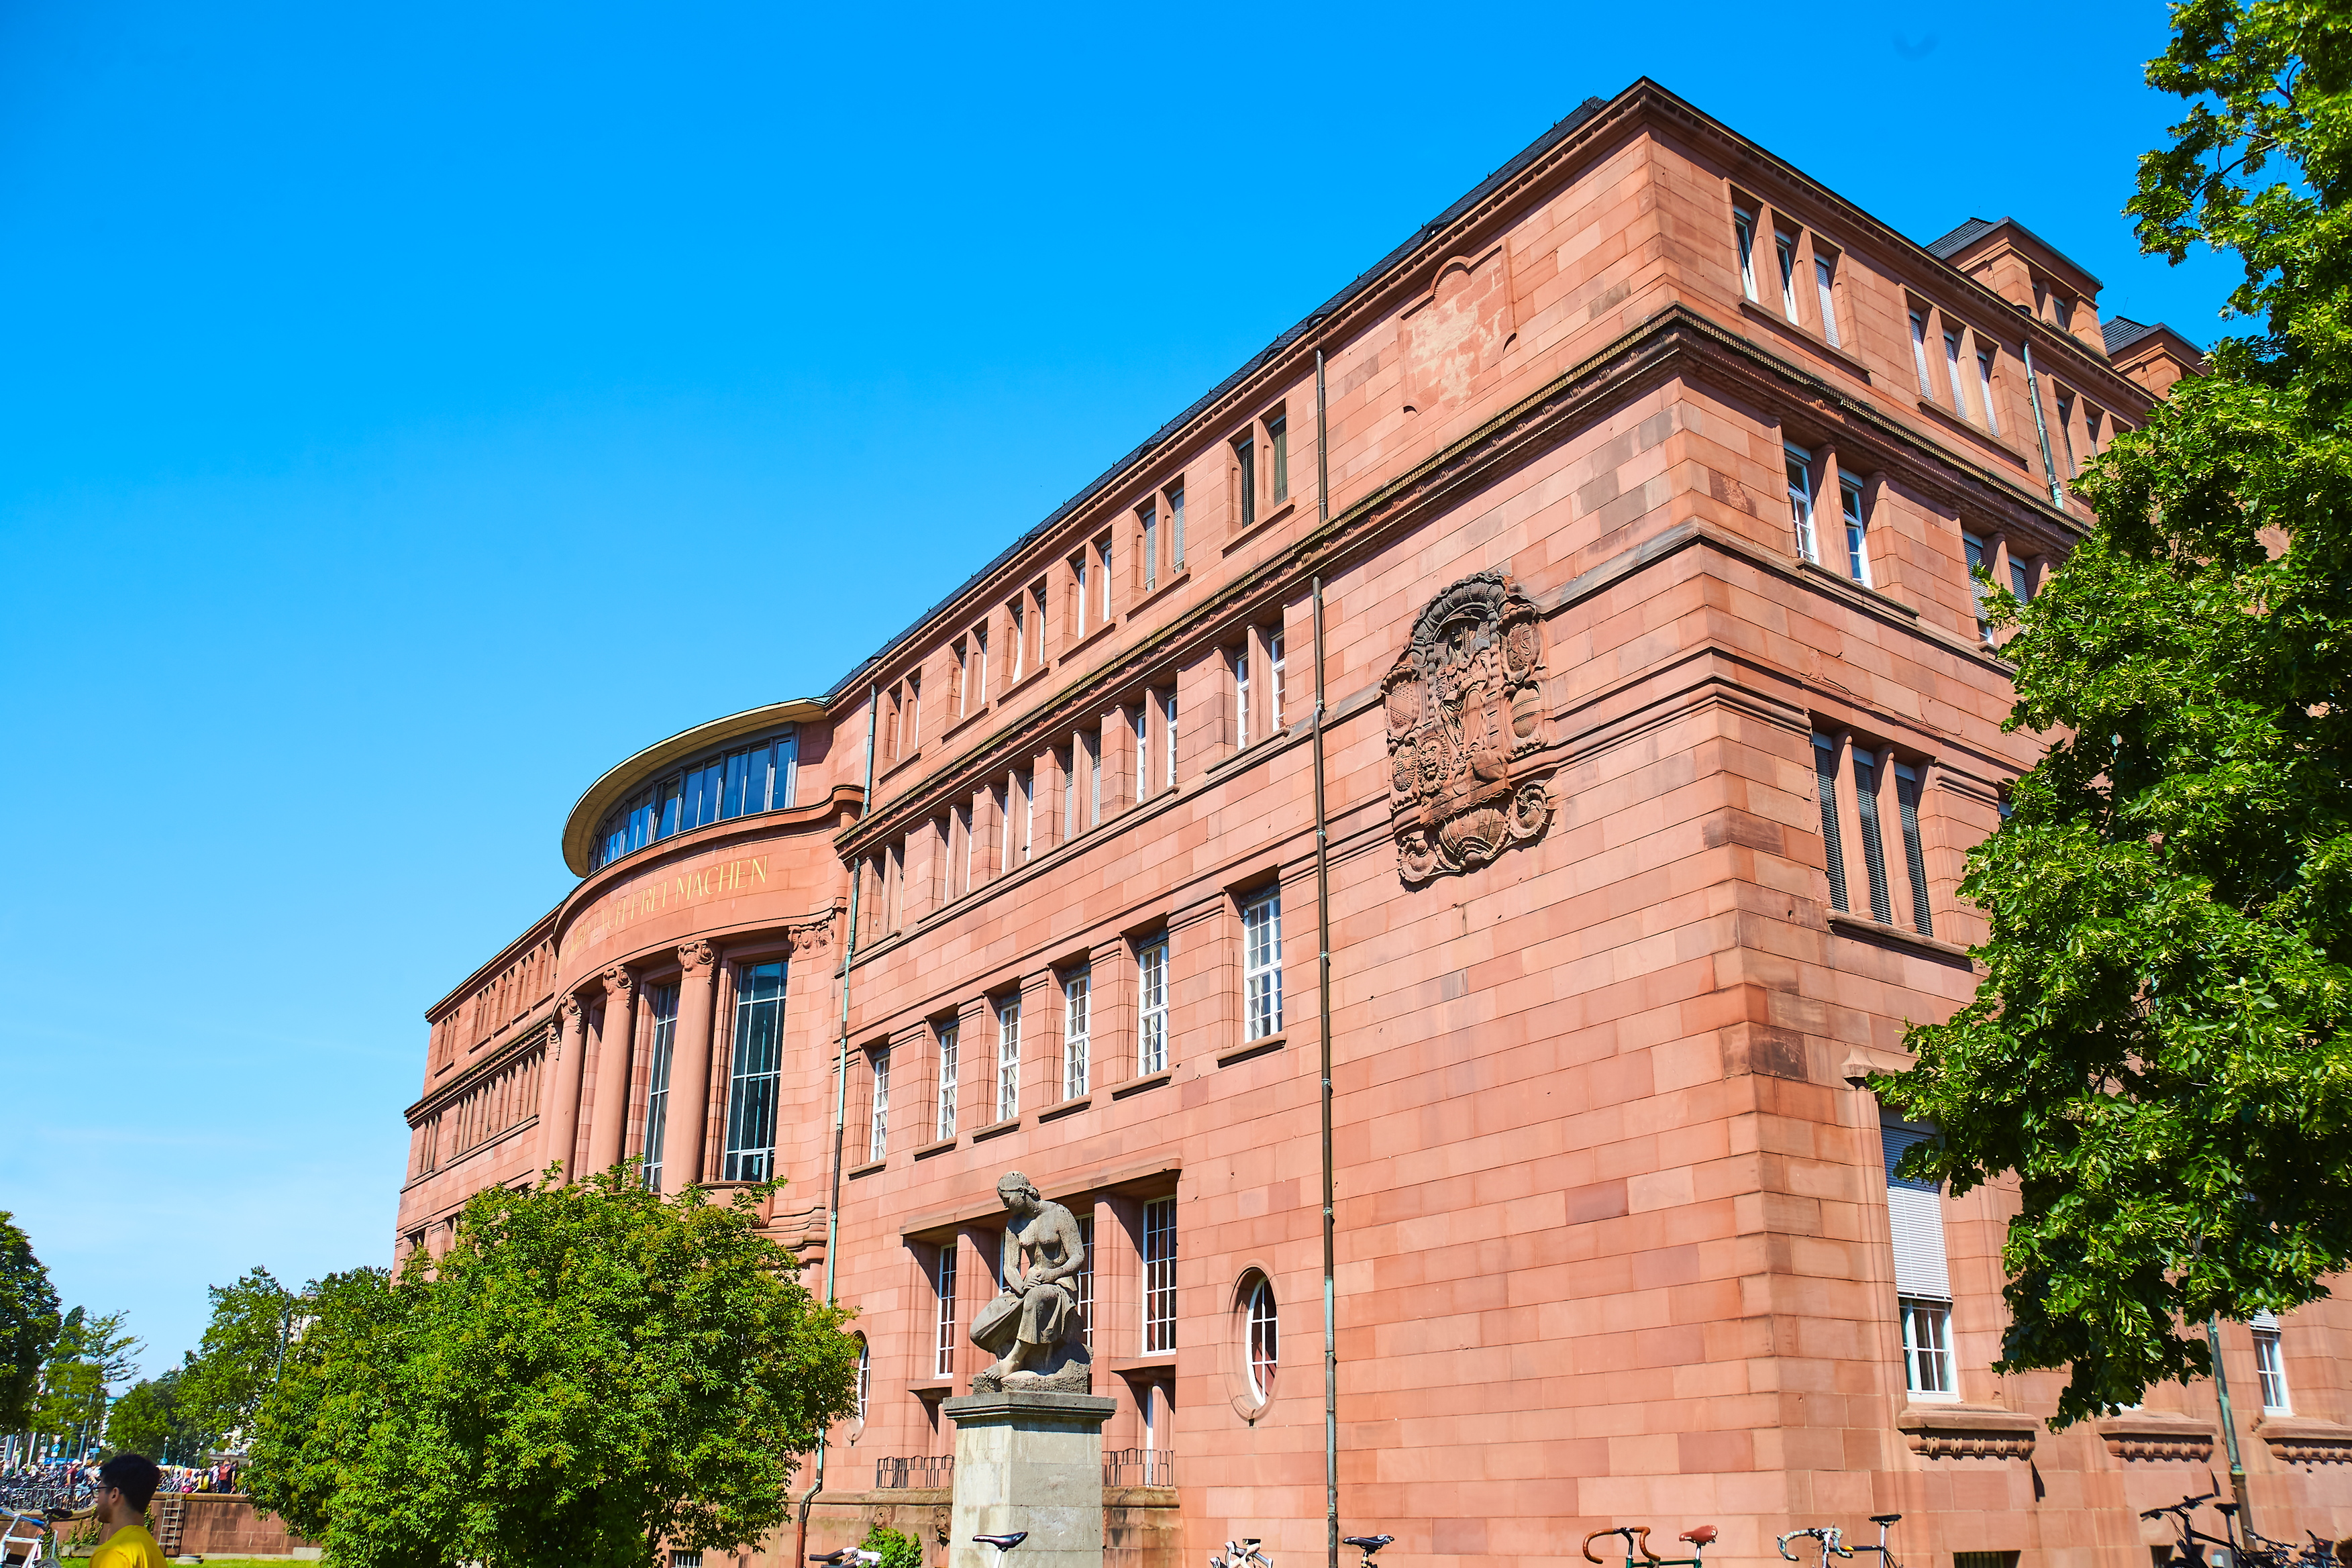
(696, 956)
(619, 982)
(572, 1009)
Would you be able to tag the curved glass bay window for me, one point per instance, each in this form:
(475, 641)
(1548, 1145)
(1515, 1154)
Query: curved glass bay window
(751, 1083)
(740, 780)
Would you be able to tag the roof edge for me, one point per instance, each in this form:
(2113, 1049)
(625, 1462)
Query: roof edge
(580, 825)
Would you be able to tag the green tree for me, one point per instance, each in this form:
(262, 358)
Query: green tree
(152, 1418)
(91, 1353)
(29, 1323)
(2160, 1048)
(589, 1371)
(237, 1361)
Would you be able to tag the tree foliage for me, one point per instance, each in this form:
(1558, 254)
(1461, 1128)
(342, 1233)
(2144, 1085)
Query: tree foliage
(152, 1418)
(2159, 1049)
(90, 1354)
(29, 1323)
(237, 1360)
(589, 1370)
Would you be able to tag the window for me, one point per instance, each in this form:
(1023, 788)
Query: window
(2020, 580)
(2270, 1366)
(1246, 454)
(1168, 736)
(1084, 1279)
(1143, 747)
(1870, 770)
(1825, 772)
(2067, 430)
(1923, 1284)
(661, 1001)
(1263, 1328)
(741, 780)
(1919, 351)
(1176, 524)
(1024, 794)
(945, 1127)
(1158, 1276)
(1915, 860)
(1824, 272)
(1037, 625)
(1262, 964)
(877, 1137)
(1743, 234)
(1151, 1006)
(1974, 549)
(980, 666)
(865, 1376)
(751, 1087)
(1102, 560)
(2063, 310)
(1149, 516)
(1077, 1046)
(1241, 696)
(1018, 611)
(1984, 386)
(2092, 419)
(1087, 749)
(1952, 369)
(1799, 463)
(1079, 585)
(1784, 248)
(1276, 692)
(1008, 1059)
(963, 678)
(1277, 445)
(1857, 542)
(963, 828)
(914, 710)
(1874, 845)
(1066, 762)
(943, 1282)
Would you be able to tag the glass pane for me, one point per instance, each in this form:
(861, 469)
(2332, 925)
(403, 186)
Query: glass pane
(787, 766)
(669, 808)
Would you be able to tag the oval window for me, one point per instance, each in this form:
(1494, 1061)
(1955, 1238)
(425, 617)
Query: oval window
(1263, 1343)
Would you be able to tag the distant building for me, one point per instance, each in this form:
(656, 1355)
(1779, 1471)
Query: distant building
(1661, 714)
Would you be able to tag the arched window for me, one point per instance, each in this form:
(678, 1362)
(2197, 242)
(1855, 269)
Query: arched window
(865, 1375)
(1264, 1336)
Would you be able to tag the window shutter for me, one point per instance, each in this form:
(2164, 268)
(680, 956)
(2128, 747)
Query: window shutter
(2265, 1320)
(1915, 1213)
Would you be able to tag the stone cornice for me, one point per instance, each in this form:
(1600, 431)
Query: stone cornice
(2156, 1434)
(537, 1034)
(1968, 1432)
(2299, 1440)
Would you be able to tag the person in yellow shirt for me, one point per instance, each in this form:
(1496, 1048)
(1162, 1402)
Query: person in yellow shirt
(125, 1483)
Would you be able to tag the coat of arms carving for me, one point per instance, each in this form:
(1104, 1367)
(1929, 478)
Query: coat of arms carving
(1465, 715)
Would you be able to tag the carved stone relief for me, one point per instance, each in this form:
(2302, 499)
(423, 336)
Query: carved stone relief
(1465, 713)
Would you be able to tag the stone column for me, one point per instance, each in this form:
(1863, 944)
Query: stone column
(616, 1043)
(689, 1070)
(1029, 1461)
(559, 1100)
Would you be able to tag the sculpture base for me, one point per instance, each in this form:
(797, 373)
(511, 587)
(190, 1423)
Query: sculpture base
(1028, 1461)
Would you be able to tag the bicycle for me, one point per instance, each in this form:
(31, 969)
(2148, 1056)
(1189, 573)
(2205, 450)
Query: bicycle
(1241, 1555)
(1637, 1539)
(1367, 1544)
(1828, 1537)
(25, 1538)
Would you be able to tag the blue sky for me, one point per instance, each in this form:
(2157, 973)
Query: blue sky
(409, 412)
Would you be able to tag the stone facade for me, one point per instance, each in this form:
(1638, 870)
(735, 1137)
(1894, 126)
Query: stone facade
(1613, 1234)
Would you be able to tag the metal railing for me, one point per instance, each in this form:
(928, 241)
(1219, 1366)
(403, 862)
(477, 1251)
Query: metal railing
(1138, 1467)
(914, 1471)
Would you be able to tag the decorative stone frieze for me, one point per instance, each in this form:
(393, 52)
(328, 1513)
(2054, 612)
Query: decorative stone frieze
(2301, 1441)
(2156, 1434)
(1965, 1432)
(1463, 706)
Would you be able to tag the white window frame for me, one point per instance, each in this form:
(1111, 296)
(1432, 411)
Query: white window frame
(1103, 560)
(1147, 514)
(1143, 749)
(1984, 386)
(1158, 1292)
(1151, 1007)
(1274, 653)
(1008, 1059)
(1241, 697)
(1825, 274)
(1800, 466)
(1977, 551)
(1261, 1338)
(943, 1323)
(1928, 1368)
(1017, 613)
(1784, 250)
(1168, 736)
(877, 1138)
(1262, 964)
(1857, 530)
(1919, 353)
(1078, 570)
(2270, 1366)
(1954, 351)
(1077, 1033)
(1743, 236)
(944, 1119)
(1175, 494)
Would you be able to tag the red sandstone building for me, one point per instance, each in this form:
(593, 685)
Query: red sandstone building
(1642, 487)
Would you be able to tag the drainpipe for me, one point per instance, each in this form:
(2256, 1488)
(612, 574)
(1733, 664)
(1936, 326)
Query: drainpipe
(840, 1108)
(2033, 394)
(2229, 1426)
(1323, 979)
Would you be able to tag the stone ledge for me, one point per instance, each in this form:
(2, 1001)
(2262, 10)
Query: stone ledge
(1964, 1432)
(1863, 929)
(1042, 1406)
(2156, 1434)
(2302, 1441)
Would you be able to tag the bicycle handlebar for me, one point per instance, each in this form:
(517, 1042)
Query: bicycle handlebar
(1637, 1539)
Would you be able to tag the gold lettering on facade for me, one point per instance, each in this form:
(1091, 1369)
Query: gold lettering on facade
(624, 906)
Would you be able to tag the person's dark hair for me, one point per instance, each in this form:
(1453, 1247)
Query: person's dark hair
(134, 1474)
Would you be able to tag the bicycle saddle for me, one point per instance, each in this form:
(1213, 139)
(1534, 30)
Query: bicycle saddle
(1886, 1519)
(1003, 1542)
(848, 1555)
(1702, 1536)
(1367, 1544)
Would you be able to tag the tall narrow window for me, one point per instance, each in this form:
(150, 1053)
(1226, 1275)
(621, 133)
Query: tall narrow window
(2021, 579)
(1824, 272)
(1102, 559)
(2092, 420)
(1743, 234)
(1083, 1284)
(1079, 580)
(1984, 388)
(661, 1001)
(1246, 454)
(877, 1130)
(1037, 625)
(1241, 696)
(914, 734)
(864, 1377)
(1799, 463)
(963, 678)
(1264, 1338)
(2270, 1366)
(1090, 758)
(1019, 612)
(1008, 1059)
(1874, 846)
(1952, 369)
(1077, 1042)
(963, 828)
(943, 1341)
(944, 1127)
(1025, 792)
(2067, 430)
(1915, 859)
(1857, 542)
(1784, 248)
(1923, 1283)
(980, 664)
(1275, 686)
(1149, 518)
(1825, 771)
(1068, 763)
(1919, 353)
(751, 1153)
(1176, 524)
(1151, 1007)
(1160, 1276)
(1973, 549)
(1277, 443)
(1143, 747)
(2063, 309)
(1262, 964)
(1168, 737)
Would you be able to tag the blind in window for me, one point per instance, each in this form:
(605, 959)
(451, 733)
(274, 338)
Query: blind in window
(2264, 1320)
(1915, 1212)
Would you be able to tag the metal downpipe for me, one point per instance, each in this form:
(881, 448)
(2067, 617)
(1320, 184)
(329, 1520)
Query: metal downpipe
(1323, 981)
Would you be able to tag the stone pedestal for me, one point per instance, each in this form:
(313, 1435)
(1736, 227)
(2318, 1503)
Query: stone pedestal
(1028, 1461)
